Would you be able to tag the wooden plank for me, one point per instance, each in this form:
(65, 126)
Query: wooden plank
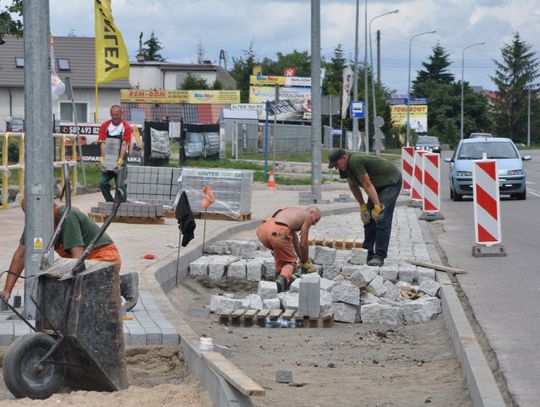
(288, 314)
(221, 216)
(439, 267)
(230, 372)
(98, 217)
(237, 313)
(263, 313)
(275, 314)
(224, 316)
(251, 313)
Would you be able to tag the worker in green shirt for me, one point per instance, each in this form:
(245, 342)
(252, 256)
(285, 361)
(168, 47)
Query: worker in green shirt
(381, 181)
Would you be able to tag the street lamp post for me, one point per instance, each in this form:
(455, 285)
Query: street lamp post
(375, 127)
(366, 93)
(409, 81)
(462, 72)
(355, 81)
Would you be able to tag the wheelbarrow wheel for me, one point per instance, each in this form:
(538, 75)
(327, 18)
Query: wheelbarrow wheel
(25, 376)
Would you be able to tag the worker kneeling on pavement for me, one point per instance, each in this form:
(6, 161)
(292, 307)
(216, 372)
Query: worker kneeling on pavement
(381, 180)
(278, 233)
(76, 234)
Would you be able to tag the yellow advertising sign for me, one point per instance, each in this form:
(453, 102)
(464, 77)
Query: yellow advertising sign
(417, 116)
(112, 60)
(260, 79)
(180, 96)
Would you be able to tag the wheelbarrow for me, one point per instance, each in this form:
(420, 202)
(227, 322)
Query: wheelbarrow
(78, 338)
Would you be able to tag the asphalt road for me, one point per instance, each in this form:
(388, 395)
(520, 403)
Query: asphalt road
(504, 292)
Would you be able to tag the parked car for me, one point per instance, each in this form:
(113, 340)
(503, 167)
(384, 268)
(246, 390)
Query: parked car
(512, 175)
(16, 125)
(430, 143)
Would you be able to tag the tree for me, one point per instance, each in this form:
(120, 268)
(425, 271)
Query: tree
(193, 83)
(151, 49)
(296, 59)
(333, 78)
(241, 71)
(437, 67)
(7, 24)
(517, 70)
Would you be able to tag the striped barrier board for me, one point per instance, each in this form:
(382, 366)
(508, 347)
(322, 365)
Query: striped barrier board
(487, 211)
(431, 196)
(407, 166)
(417, 180)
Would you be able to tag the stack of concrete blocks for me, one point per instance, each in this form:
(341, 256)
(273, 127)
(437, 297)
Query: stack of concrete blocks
(305, 198)
(130, 209)
(153, 184)
(231, 188)
(354, 292)
(309, 297)
(344, 198)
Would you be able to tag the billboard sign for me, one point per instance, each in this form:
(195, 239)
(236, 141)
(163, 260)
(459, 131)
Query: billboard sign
(418, 113)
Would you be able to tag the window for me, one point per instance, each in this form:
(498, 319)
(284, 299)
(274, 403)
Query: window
(19, 62)
(66, 112)
(63, 64)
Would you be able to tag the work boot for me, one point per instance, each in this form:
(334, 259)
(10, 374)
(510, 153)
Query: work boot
(129, 289)
(281, 282)
(375, 261)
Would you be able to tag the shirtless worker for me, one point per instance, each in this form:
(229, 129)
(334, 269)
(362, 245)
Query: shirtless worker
(278, 233)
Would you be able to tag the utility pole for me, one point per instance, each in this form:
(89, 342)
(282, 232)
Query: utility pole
(316, 101)
(355, 80)
(38, 144)
(378, 57)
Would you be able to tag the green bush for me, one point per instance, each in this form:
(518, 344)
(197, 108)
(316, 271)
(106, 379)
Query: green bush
(13, 151)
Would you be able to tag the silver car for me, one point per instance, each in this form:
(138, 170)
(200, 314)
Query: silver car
(512, 175)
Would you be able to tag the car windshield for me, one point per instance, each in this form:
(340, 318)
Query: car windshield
(428, 140)
(474, 151)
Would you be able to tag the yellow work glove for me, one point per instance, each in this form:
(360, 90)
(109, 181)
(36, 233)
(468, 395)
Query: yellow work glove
(376, 211)
(101, 159)
(308, 266)
(120, 162)
(364, 213)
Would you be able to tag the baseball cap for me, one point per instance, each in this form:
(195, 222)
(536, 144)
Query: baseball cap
(335, 155)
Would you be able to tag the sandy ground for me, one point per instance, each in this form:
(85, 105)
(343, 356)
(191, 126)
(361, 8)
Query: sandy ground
(157, 377)
(347, 365)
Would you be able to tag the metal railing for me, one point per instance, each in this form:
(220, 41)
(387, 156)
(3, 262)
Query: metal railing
(6, 167)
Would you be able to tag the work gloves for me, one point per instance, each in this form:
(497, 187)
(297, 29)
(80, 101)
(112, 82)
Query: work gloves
(308, 266)
(364, 213)
(377, 211)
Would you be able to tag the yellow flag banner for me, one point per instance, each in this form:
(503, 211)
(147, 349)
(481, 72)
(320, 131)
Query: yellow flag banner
(112, 61)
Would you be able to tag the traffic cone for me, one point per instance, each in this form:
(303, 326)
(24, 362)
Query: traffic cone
(271, 180)
(209, 197)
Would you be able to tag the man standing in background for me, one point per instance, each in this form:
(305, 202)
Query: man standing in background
(114, 138)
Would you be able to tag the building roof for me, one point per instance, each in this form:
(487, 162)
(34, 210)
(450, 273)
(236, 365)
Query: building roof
(222, 74)
(79, 50)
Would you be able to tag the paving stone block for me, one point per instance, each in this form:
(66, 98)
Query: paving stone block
(358, 256)
(199, 267)
(289, 300)
(324, 255)
(309, 301)
(267, 289)
(252, 301)
(430, 287)
(392, 292)
(243, 248)
(368, 298)
(326, 284)
(216, 248)
(377, 286)
(217, 266)
(254, 269)
(295, 286)
(425, 273)
(344, 312)
(349, 269)
(272, 303)
(325, 299)
(343, 291)
(363, 276)
(381, 314)
(421, 310)
(389, 272)
(284, 376)
(237, 269)
(409, 275)
(331, 271)
(269, 269)
(219, 303)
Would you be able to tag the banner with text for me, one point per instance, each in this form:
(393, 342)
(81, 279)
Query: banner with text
(180, 96)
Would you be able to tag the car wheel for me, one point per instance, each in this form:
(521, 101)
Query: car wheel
(521, 196)
(451, 193)
(457, 197)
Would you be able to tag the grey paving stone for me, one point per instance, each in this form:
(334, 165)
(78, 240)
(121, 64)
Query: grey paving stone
(358, 256)
(425, 273)
(389, 272)
(392, 292)
(237, 269)
(381, 314)
(422, 310)
(252, 301)
(272, 303)
(289, 300)
(254, 269)
(331, 271)
(269, 269)
(324, 255)
(363, 276)
(368, 298)
(344, 312)
(243, 248)
(377, 286)
(309, 303)
(430, 287)
(343, 291)
(219, 303)
(267, 289)
(199, 267)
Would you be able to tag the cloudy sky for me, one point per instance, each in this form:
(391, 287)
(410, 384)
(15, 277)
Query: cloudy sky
(284, 25)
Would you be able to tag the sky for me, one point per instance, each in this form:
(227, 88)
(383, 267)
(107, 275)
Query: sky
(273, 26)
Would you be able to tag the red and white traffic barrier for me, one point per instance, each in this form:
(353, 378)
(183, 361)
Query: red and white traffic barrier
(431, 197)
(407, 166)
(418, 179)
(486, 202)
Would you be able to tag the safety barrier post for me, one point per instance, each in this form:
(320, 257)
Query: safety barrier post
(487, 212)
(417, 180)
(431, 197)
(407, 166)
(21, 161)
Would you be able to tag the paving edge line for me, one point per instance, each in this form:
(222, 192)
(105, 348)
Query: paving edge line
(483, 388)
